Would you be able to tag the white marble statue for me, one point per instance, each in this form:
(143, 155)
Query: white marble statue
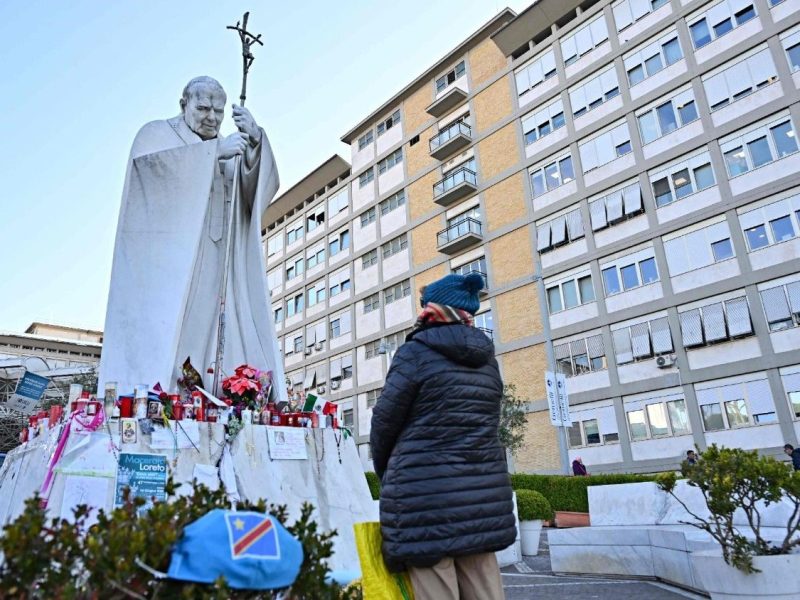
(169, 254)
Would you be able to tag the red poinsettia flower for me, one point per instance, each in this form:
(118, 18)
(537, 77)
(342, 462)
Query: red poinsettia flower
(246, 371)
(241, 386)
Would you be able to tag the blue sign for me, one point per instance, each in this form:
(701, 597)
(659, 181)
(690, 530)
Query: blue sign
(145, 475)
(30, 389)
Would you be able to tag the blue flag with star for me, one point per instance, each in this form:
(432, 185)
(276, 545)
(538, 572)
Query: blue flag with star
(251, 550)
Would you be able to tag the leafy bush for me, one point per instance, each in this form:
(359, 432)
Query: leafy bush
(569, 493)
(51, 559)
(374, 484)
(532, 506)
(732, 479)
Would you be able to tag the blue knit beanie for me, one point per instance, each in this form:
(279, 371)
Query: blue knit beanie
(458, 291)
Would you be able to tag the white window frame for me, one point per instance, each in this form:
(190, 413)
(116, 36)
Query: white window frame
(370, 259)
(394, 246)
(617, 136)
(604, 82)
(368, 216)
(616, 206)
(742, 141)
(726, 9)
(366, 178)
(393, 202)
(624, 262)
(580, 43)
(640, 58)
(445, 81)
(629, 12)
(704, 235)
(560, 285)
(677, 103)
(365, 140)
(706, 315)
(542, 170)
(535, 72)
(591, 347)
(395, 158)
(543, 119)
(387, 124)
(560, 230)
(692, 163)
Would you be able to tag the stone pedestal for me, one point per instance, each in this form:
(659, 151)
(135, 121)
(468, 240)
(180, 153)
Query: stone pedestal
(331, 478)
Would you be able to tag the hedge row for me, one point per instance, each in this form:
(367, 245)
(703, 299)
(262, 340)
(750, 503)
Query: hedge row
(563, 492)
(374, 484)
(569, 493)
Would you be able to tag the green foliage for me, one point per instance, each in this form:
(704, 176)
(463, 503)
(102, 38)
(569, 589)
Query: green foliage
(51, 559)
(569, 493)
(732, 479)
(532, 506)
(512, 420)
(374, 484)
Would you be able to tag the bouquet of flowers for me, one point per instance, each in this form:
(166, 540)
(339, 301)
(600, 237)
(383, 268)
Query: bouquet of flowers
(247, 388)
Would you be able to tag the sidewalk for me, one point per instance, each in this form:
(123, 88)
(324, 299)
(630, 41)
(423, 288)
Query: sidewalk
(534, 579)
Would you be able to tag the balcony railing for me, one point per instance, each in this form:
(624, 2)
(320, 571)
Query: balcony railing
(450, 133)
(487, 331)
(455, 185)
(459, 229)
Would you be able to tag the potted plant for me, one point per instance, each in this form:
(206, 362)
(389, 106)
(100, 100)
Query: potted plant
(533, 508)
(737, 486)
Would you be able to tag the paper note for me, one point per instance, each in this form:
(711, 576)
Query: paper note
(287, 443)
(186, 434)
(81, 489)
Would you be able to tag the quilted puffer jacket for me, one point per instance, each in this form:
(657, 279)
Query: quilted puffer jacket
(445, 489)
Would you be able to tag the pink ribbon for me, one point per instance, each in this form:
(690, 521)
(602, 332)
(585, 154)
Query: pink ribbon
(92, 425)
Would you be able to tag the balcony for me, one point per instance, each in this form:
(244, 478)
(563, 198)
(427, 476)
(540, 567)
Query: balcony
(450, 140)
(447, 101)
(462, 234)
(455, 186)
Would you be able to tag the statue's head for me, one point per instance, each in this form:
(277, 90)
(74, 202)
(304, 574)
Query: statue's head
(203, 106)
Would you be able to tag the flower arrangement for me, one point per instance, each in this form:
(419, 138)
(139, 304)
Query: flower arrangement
(247, 388)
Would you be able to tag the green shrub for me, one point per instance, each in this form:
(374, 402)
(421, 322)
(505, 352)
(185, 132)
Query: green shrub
(532, 506)
(50, 557)
(569, 493)
(374, 484)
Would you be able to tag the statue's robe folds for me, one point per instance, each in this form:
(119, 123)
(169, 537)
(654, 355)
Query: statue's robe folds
(166, 277)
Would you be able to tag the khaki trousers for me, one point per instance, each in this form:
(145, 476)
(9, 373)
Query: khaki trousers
(475, 577)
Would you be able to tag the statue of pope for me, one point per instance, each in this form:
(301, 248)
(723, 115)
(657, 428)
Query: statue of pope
(166, 277)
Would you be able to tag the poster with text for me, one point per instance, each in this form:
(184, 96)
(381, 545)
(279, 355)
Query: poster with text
(287, 443)
(144, 474)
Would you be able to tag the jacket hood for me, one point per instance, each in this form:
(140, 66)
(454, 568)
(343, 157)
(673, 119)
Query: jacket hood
(465, 345)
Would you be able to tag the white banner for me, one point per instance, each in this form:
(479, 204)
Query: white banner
(552, 398)
(563, 400)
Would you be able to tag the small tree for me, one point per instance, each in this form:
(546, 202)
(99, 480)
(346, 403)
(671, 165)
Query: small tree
(512, 420)
(731, 479)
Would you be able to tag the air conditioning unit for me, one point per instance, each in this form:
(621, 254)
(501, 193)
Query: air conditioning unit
(318, 346)
(320, 389)
(665, 361)
(308, 350)
(335, 384)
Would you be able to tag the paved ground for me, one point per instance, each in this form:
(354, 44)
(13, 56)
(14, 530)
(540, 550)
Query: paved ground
(534, 580)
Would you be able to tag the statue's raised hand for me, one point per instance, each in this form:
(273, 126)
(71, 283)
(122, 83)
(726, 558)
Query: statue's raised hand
(233, 145)
(246, 123)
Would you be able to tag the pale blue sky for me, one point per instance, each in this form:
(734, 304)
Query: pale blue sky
(82, 76)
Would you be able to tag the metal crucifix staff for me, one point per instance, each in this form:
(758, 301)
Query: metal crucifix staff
(247, 39)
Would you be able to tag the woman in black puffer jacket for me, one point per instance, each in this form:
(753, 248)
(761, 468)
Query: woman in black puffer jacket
(446, 500)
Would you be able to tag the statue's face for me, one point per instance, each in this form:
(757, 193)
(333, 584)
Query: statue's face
(204, 111)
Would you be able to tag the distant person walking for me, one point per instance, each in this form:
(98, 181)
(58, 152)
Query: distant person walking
(794, 454)
(578, 468)
(691, 457)
(446, 501)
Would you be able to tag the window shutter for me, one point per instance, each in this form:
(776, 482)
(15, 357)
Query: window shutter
(640, 340)
(607, 420)
(662, 338)
(632, 196)
(622, 346)
(578, 347)
(543, 237)
(575, 225)
(614, 205)
(759, 396)
(595, 346)
(738, 317)
(775, 305)
(559, 232)
(311, 378)
(622, 16)
(347, 361)
(322, 331)
(336, 368)
(345, 323)
(599, 30)
(597, 211)
(311, 336)
(714, 322)
(691, 328)
(322, 375)
(794, 296)
(561, 351)
(639, 8)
